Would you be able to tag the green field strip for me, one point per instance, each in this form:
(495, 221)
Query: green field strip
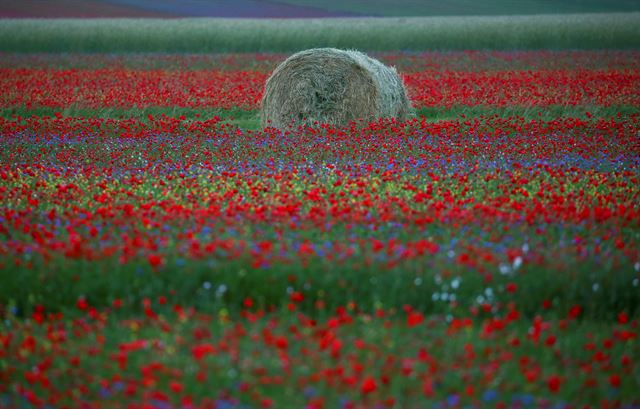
(235, 115)
(559, 31)
(250, 119)
(534, 112)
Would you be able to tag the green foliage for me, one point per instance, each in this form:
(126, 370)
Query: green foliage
(230, 115)
(210, 286)
(573, 31)
(249, 119)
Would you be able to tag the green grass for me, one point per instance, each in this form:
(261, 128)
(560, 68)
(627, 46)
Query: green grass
(236, 116)
(470, 7)
(250, 119)
(571, 31)
(334, 285)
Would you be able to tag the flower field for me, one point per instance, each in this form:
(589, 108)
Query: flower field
(155, 253)
(430, 82)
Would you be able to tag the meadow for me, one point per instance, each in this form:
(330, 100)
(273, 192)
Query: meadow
(159, 249)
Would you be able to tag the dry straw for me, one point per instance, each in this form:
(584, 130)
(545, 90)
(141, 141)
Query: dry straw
(332, 86)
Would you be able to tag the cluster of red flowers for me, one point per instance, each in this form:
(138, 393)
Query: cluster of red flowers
(102, 88)
(177, 356)
(481, 199)
(116, 186)
(524, 88)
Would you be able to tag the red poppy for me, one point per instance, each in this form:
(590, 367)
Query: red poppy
(368, 385)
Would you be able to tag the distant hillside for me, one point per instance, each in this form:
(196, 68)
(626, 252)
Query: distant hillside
(397, 8)
(162, 8)
(302, 8)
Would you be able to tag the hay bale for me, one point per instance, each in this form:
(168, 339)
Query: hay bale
(332, 86)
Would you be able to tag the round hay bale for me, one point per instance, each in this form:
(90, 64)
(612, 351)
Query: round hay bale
(332, 86)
